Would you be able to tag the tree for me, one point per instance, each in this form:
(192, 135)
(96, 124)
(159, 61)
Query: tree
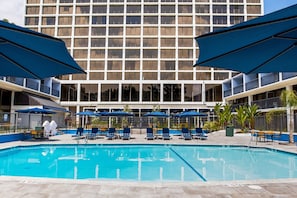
(224, 114)
(289, 99)
(241, 116)
(252, 112)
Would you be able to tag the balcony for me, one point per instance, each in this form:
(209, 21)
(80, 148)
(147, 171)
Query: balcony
(253, 84)
(238, 89)
(227, 92)
(268, 103)
(45, 89)
(32, 84)
(269, 79)
(55, 92)
(287, 75)
(15, 80)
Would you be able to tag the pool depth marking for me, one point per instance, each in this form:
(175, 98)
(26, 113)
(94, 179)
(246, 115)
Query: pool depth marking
(185, 161)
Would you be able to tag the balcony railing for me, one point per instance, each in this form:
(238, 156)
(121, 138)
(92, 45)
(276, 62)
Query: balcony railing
(15, 80)
(227, 92)
(32, 84)
(252, 85)
(55, 92)
(268, 103)
(287, 75)
(45, 89)
(269, 79)
(238, 89)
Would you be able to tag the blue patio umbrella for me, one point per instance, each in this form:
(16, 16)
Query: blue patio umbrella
(35, 110)
(29, 54)
(86, 114)
(261, 45)
(190, 114)
(156, 114)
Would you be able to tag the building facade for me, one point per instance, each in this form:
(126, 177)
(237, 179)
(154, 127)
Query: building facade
(138, 53)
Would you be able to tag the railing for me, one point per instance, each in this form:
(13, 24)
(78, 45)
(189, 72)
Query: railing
(238, 89)
(55, 92)
(45, 89)
(15, 80)
(269, 79)
(268, 103)
(32, 84)
(227, 92)
(287, 75)
(252, 85)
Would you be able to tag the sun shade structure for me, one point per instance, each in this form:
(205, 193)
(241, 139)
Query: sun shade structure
(190, 114)
(29, 54)
(119, 113)
(36, 111)
(262, 45)
(156, 114)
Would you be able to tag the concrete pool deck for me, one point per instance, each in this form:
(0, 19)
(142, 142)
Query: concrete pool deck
(45, 187)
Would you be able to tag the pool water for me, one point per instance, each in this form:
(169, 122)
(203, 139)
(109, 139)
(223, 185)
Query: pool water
(148, 162)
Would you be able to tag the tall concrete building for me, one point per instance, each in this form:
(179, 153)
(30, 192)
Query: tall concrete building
(139, 53)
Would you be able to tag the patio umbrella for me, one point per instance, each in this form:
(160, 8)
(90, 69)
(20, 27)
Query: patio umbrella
(156, 114)
(86, 114)
(118, 114)
(35, 111)
(29, 54)
(261, 45)
(190, 114)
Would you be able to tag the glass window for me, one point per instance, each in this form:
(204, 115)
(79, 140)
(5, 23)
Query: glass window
(219, 19)
(79, 77)
(185, 19)
(236, 19)
(65, 9)
(133, 30)
(66, 20)
(203, 76)
(185, 42)
(167, 75)
(132, 53)
(115, 20)
(114, 76)
(132, 42)
(116, 9)
(130, 92)
(97, 65)
(99, 9)
(150, 20)
(150, 65)
(150, 53)
(150, 42)
(213, 93)
(31, 20)
(98, 42)
(237, 9)
(185, 31)
(115, 42)
(168, 30)
(149, 76)
(116, 31)
(32, 10)
(132, 76)
(96, 75)
(151, 92)
(98, 31)
(133, 20)
(167, 53)
(109, 92)
(219, 9)
(114, 65)
(81, 31)
(82, 9)
(48, 31)
(167, 42)
(185, 75)
(221, 75)
(65, 31)
(202, 30)
(80, 42)
(203, 20)
(172, 92)
(32, 1)
(185, 53)
(133, 8)
(82, 64)
(115, 53)
(201, 9)
(167, 9)
(132, 65)
(192, 93)
(150, 31)
(48, 20)
(253, 9)
(185, 65)
(48, 10)
(88, 92)
(150, 8)
(98, 19)
(68, 92)
(184, 9)
(97, 53)
(167, 65)
(66, 1)
(80, 53)
(167, 19)
(81, 20)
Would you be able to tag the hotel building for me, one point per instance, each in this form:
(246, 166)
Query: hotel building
(138, 53)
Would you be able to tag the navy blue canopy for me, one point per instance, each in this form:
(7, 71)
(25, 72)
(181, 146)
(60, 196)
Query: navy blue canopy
(156, 114)
(87, 113)
(119, 113)
(261, 45)
(36, 111)
(29, 54)
(190, 114)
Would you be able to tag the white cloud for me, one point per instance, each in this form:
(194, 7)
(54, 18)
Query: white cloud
(13, 10)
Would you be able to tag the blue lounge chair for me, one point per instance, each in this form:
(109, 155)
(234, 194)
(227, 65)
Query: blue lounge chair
(79, 132)
(200, 134)
(111, 134)
(150, 134)
(93, 134)
(165, 134)
(126, 134)
(186, 134)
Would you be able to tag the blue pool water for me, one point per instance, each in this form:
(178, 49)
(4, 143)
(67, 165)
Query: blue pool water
(148, 162)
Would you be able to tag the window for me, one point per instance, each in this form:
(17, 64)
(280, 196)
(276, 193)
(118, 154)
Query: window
(213, 93)
(151, 92)
(109, 92)
(68, 92)
(88, 92)
(172, 92)
(130, 92)
(192, 93)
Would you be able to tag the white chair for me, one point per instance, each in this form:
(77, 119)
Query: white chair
(47, 128)
(53, 127)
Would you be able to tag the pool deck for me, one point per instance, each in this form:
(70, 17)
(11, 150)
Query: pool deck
(60, 188)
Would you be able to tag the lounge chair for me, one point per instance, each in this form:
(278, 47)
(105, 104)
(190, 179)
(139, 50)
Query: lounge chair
(200, 134)
(111, 134)
(165, 134)
(93, 134)
(150, 134)
(186, 134)
(126, 134)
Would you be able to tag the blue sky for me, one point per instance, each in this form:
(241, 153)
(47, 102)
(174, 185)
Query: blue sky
(273, 5)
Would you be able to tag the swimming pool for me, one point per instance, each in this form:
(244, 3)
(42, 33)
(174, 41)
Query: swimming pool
(148, 162)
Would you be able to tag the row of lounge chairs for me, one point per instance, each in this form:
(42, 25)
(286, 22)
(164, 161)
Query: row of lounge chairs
(126, 135)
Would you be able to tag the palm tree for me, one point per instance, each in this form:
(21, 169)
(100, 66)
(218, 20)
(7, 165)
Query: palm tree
(289, 99)
(252, 112)
(241, 116)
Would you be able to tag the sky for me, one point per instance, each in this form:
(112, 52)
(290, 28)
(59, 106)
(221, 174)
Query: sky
(14, 10)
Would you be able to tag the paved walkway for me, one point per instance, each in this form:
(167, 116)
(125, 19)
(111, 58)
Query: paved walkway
(43, 187)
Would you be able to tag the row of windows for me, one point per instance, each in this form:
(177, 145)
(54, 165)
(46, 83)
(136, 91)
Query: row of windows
(103, 1)
(136, 75)
(150, 92)
(147, 20)
(103, 9)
